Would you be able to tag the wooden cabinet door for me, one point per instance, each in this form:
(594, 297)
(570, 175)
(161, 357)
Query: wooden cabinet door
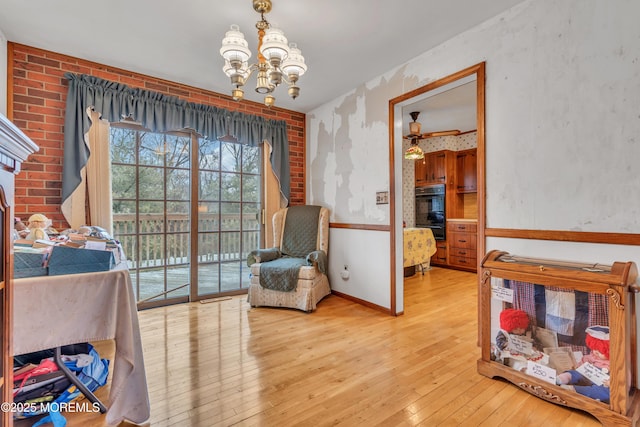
(466, 171)
(421, 172)
(437, 171)
(431, 169)
(440, 257)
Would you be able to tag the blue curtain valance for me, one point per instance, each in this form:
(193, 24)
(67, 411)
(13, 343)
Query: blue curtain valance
(159, 113)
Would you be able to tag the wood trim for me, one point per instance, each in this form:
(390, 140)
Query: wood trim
(371, 227)
(481, 163)
(481, 245)
(440, 82)
(7, 306)
(362, 302)
(565, 236)
(304, 159)
(392, 212)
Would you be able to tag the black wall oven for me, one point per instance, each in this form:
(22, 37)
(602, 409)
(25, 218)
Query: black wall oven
(430, 212)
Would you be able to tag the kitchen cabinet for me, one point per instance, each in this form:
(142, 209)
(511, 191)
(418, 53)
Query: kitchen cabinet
(466, 171)
(434, 168)
(440, 257)
(462, 239)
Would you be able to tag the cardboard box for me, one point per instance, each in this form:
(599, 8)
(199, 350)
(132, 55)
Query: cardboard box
(68, 260)
(26, 264)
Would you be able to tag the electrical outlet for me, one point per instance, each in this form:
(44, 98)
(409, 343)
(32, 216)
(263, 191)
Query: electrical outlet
(345, 273)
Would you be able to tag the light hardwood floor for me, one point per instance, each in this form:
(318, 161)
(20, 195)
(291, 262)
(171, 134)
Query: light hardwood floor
(225, 363)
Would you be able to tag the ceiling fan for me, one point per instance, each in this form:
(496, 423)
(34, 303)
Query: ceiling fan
(414, 130)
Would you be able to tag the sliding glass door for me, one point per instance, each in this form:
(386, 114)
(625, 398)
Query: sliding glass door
(185, 211)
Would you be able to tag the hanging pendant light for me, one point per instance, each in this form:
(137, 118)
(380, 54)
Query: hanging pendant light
(414, 152)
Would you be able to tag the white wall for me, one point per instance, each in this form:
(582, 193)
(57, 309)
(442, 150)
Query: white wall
(562, 131)
(3, 74)
(368, 269)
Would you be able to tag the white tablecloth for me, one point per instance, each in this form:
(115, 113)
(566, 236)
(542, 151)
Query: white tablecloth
(52, 311)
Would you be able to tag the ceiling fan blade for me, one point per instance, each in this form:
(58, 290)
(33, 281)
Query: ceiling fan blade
(441, 133)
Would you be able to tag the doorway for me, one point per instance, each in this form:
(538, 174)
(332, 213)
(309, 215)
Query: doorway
(398, 123)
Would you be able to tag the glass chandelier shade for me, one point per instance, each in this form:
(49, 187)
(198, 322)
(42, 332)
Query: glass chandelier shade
(234, 46)
(414, 128)
(274, 46)
(414, 152)
(278, 60)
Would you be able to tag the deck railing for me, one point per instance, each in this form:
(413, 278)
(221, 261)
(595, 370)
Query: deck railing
(219, 238)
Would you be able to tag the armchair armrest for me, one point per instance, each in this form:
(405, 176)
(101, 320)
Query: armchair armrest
(263, 255)
(319, 258)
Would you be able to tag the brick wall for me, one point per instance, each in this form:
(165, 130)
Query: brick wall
(37, 92)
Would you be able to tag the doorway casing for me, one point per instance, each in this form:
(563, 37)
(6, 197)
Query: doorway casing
(395, 169)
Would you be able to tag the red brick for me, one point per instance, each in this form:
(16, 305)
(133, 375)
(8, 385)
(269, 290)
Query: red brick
(35, 192)
(30, 201)
(43, 93)
(44, 176)
(34, 59)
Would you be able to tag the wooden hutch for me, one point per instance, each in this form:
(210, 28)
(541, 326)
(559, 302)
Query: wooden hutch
(15, 147)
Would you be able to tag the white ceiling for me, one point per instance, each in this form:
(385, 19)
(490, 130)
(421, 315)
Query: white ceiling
(345, 42)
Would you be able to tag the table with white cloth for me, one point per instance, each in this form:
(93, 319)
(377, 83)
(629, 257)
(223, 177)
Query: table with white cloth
(53, 311)
(419, 247)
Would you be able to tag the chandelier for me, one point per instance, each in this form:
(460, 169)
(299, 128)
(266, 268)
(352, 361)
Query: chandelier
(277, 60)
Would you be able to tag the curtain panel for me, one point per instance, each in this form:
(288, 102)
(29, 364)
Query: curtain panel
(159, 113)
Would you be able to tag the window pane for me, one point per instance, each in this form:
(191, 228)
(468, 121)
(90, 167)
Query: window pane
(124, 207)
(208, 216)
(153, 148)
(151, 250)
(130, 248)
(123, 181)
(231, 156)
(230, 216)
(209, 186)
(179, 209)
(230, 275)
(230, 190)
(151, 217)
(151, 183)
(208, 278)
(250, 188)
(250, 159)
(229, 246)
(250, 215)
(123, 145)
(178, 249)
(177, 148)
(208, 247)
(178, 184)
(209, 154)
